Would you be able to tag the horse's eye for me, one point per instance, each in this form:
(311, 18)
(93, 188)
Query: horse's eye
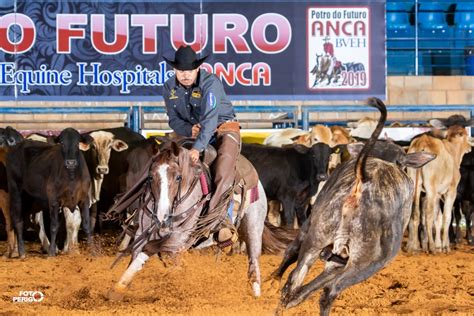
(178, 178)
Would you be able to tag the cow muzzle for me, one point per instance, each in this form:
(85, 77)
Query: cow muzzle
(102, 169)
(71, 163)
(322, 177)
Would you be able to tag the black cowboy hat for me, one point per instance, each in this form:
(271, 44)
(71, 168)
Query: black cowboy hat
(185, 59)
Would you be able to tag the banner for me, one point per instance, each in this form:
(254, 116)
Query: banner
(113, 50)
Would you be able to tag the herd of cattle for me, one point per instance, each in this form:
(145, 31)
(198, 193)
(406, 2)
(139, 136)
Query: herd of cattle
(351, 199)
(79, 174)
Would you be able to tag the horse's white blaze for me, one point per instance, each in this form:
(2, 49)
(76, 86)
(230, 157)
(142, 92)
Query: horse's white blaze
(163, 200)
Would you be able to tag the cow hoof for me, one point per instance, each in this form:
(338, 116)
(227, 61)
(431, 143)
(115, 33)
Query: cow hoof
(74, 251)
(412, 250)
(115, 294)
(9, 254)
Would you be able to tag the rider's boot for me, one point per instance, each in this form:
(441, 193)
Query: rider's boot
(227, 236)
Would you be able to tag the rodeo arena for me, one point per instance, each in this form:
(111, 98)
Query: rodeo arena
(205, 157)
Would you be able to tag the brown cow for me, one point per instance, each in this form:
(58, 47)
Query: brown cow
(439, 179)
(363, 128)
(285, 136)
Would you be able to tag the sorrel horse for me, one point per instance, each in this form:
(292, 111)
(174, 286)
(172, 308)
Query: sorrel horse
(170, 218)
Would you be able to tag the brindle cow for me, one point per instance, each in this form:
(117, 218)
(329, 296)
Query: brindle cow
(356, 225)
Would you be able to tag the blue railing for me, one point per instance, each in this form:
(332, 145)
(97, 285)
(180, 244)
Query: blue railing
(306, 110)
(293, 115)
(129, 111)
(289, 114)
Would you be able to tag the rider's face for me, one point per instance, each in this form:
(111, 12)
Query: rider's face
(186, 77)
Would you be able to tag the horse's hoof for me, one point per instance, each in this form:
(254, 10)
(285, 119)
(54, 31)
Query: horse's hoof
(115, 294)
(256, 289)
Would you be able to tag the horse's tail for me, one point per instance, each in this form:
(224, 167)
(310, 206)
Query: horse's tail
(276, 239)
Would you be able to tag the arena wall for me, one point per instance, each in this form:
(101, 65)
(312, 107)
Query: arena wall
(401, 90)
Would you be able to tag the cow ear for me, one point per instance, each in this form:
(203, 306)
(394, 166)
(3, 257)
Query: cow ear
(438, 123)
(85, 142)
(302, 149)
(354, 149)
(416, 160)
(302, 139)
(119, 145)
(295, 138)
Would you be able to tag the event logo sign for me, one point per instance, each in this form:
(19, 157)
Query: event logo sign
(113, 50)
(338, 48)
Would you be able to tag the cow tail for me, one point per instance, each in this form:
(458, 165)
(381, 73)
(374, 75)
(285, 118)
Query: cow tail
(276, 239)
(351, 203)
(362, 158)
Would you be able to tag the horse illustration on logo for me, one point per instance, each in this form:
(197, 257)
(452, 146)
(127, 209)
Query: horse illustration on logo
(328, 69)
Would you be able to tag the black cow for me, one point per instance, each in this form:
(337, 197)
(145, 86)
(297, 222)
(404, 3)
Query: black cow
(356, 225)
(290, 175)
(465, 198)
(9, 137)
(53, 176)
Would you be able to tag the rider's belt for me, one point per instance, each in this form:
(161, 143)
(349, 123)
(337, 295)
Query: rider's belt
(229, 126)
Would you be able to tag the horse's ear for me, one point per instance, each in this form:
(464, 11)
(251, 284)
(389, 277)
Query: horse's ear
(175, 149)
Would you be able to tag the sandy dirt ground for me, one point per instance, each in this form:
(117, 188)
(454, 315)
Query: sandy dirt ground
(198, 284)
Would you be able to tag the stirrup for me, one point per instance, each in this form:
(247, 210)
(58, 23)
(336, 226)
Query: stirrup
(226, 237)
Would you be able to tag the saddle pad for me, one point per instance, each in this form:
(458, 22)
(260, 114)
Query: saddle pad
(246, 172)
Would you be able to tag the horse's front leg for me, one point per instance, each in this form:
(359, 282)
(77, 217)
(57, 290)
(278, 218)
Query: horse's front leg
(117, 292)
